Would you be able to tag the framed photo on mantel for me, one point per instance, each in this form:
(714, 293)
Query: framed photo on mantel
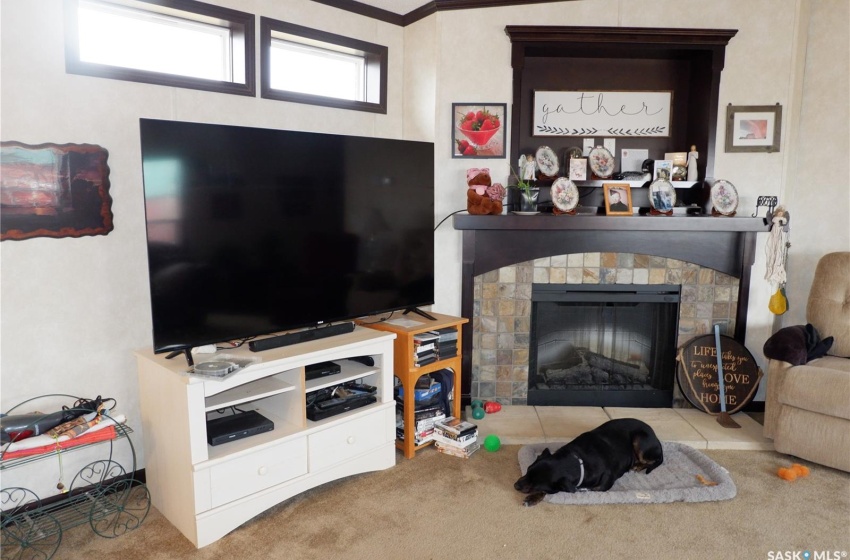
(618, 199)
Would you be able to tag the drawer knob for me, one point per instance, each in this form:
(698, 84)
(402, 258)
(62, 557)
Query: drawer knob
(351, 440)
(262, 471)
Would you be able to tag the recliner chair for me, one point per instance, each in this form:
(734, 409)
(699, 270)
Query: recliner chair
(807, 406)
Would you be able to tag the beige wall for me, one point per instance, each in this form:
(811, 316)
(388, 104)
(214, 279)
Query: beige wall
(773, 59)
(73, 310)
(817, 184)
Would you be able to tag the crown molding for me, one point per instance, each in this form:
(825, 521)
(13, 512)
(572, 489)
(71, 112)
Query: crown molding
(424, 11)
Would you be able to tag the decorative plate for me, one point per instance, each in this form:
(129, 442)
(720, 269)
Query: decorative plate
(547, 161)
(601, 162)
(518, 213)
(724, 197)
(564, 194)
(662, 195)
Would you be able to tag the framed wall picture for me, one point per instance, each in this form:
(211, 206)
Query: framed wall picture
(618, 199)
(54, 190)
(602, 113)
(478, 130)
(753, 128)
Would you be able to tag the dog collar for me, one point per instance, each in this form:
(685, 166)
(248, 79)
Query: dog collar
(581, 470)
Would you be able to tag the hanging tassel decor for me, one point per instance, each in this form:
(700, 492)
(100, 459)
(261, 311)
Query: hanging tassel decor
(776, 250)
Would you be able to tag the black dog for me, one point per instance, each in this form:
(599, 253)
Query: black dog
(593, 461)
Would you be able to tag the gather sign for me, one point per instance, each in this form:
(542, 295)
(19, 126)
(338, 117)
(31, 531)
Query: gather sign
(698, 368)
(602, 113)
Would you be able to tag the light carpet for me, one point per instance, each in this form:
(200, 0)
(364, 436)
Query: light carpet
(437, 507)
(676, 480)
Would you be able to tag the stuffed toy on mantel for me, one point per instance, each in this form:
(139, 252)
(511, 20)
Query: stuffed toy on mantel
(482, 197)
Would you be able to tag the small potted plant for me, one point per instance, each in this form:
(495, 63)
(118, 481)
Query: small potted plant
(528, 193)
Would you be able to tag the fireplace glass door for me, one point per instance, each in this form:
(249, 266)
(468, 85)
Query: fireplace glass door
(603, 345)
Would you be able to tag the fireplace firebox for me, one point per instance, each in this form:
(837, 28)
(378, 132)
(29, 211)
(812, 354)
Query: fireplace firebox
(603, 345)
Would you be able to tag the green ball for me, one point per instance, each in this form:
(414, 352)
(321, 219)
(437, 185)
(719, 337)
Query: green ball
(478, 413)
(492, 443)
(477, 404)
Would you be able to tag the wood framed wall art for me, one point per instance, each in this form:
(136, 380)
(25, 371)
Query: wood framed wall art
(478, 130)
(54, 190)
(604, 113)
(753, 128)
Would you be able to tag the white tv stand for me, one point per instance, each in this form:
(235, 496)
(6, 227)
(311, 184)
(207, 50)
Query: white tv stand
(207, 491)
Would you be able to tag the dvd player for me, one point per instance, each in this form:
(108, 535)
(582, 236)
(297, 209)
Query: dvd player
(316, 413)
(237, 426)
(340, 398)
(323, 369)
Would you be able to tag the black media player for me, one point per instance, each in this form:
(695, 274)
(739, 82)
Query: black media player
(323, 369)
(237, 426)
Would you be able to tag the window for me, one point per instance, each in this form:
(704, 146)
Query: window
(316, 71)
(180, 43)
(305, 65)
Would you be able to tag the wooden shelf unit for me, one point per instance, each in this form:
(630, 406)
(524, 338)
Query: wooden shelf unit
(407, 373)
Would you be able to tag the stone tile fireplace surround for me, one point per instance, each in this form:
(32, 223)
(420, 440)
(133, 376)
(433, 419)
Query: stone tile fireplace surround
(501, 319)
(709, 257)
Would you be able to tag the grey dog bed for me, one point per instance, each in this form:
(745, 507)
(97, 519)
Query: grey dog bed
(674, 481)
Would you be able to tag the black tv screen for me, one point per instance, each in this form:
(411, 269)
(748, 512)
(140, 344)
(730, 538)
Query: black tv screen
(253, 231)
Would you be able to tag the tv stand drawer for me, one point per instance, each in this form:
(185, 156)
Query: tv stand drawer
(258, 471)
(348, 440)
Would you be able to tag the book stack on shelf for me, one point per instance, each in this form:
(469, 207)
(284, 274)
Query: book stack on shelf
(425, 418)
(446, 343)
(428, 347)
(427, 412)
(425, 348)
(457, 437)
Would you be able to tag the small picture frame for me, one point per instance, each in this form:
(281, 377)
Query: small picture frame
(578, 169)
(663, 169)
(753, 128)
(618, 199)
(478, 130)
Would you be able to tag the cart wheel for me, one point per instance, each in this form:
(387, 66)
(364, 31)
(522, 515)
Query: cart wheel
(96, 474)
(14, 500)
(30, 536)
(119, 507)
(91, 479)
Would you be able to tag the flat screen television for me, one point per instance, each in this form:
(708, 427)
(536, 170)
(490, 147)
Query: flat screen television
(253, 231)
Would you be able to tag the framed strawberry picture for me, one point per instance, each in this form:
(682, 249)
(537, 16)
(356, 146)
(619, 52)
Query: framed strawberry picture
(478, 130)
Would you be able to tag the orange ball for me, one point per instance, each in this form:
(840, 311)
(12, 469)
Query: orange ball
(801, 470)
(787, 474)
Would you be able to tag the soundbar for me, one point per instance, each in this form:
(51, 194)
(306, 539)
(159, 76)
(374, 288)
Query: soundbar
(300, 336)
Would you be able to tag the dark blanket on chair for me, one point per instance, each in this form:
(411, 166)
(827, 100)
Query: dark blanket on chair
(797, 345)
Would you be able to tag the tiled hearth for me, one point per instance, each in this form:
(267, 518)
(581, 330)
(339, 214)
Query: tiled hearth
(501, 319)
(521, 425)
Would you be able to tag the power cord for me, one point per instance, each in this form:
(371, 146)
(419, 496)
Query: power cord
(449, 216)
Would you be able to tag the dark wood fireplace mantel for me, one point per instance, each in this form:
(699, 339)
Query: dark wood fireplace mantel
(491, 242)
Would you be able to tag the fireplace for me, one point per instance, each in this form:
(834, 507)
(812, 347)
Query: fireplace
(603, 345)
(709, 258)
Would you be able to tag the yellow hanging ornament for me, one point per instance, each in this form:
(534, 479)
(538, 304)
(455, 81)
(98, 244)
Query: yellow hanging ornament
(778, 302)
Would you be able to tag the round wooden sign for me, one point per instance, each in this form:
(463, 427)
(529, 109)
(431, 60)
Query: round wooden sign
(697, 373)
